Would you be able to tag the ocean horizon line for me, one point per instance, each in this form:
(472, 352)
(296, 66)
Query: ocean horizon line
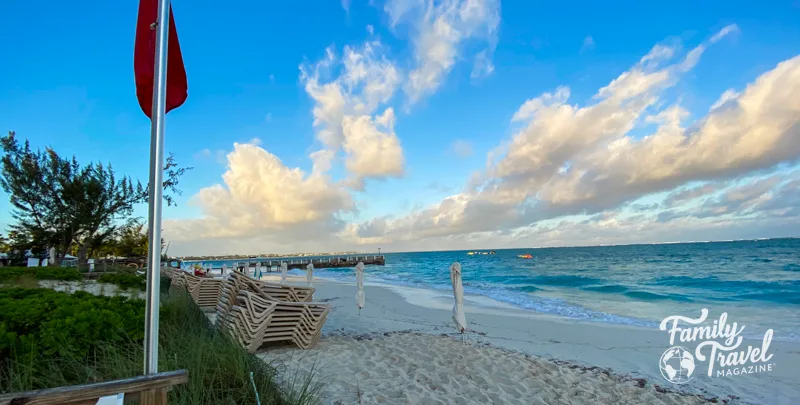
(296, 254)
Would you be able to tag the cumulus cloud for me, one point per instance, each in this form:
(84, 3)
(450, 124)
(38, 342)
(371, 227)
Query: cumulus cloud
(683, 195)
(569, 174)
(439, 31)
(261, 195)
(729, 97)
(373, 149)
(348, 92)
(764, 196)
(567, 159)
(619, 229)
(353, 92)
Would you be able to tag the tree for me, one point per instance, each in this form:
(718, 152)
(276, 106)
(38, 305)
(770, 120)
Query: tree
(129, 240)
(59, 203)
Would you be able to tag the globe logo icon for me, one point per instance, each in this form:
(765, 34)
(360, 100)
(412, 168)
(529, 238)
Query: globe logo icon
(677, 365)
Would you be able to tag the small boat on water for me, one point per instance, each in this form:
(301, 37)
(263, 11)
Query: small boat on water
(481, 253)
(525, 256)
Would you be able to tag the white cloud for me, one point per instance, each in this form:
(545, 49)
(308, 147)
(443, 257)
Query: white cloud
(349, 91)
(482, 66)
(659, 54)
(261, 195)
(729, 95)
(728, 30)
(370, 29)
(682, 195)
(769, 196)
(439, 31)
(588, 44)
(570, 174)
(614, 228)
(346, 6)
(345, 111)
(268, 117)
(567, 159)
(373, 150)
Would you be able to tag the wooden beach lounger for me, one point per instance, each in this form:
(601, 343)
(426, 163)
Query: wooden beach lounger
(279, 292)
(254, 318)
(204, 291)
(240, 282)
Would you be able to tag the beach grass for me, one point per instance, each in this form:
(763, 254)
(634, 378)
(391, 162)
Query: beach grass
(219, 369)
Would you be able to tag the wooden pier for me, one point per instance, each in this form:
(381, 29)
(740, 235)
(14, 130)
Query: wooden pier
(319, 263)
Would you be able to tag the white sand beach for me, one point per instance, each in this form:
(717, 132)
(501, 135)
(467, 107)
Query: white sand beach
(403, 349)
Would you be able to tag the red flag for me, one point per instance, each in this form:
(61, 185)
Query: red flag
(144, 56)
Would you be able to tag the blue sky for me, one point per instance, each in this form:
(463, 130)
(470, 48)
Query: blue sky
(252, 67)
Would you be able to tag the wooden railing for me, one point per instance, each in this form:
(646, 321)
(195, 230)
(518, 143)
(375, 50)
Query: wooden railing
(148, 389)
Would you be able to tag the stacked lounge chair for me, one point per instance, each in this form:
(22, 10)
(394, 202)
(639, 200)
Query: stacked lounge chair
(255, 313)
(280, 292)
(247, 320)
(204, 291)
(175, 276)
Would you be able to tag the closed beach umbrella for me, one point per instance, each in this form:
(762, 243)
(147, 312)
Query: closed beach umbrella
(458, 292)
(257, 271)
(310, 274)
(284, 269)
(360, 299)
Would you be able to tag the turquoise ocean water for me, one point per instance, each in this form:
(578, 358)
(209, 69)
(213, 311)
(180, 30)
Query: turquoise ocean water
(756, 282)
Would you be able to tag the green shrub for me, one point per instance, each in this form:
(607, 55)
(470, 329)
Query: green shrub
(40, 273)
(219, 368)
(124, 280)
(40, 321)
(58, 273)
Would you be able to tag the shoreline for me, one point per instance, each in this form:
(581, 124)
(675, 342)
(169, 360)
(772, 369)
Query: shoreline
(596, 349)
(442, 299)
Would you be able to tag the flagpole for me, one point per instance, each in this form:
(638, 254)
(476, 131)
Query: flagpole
(155, 189)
